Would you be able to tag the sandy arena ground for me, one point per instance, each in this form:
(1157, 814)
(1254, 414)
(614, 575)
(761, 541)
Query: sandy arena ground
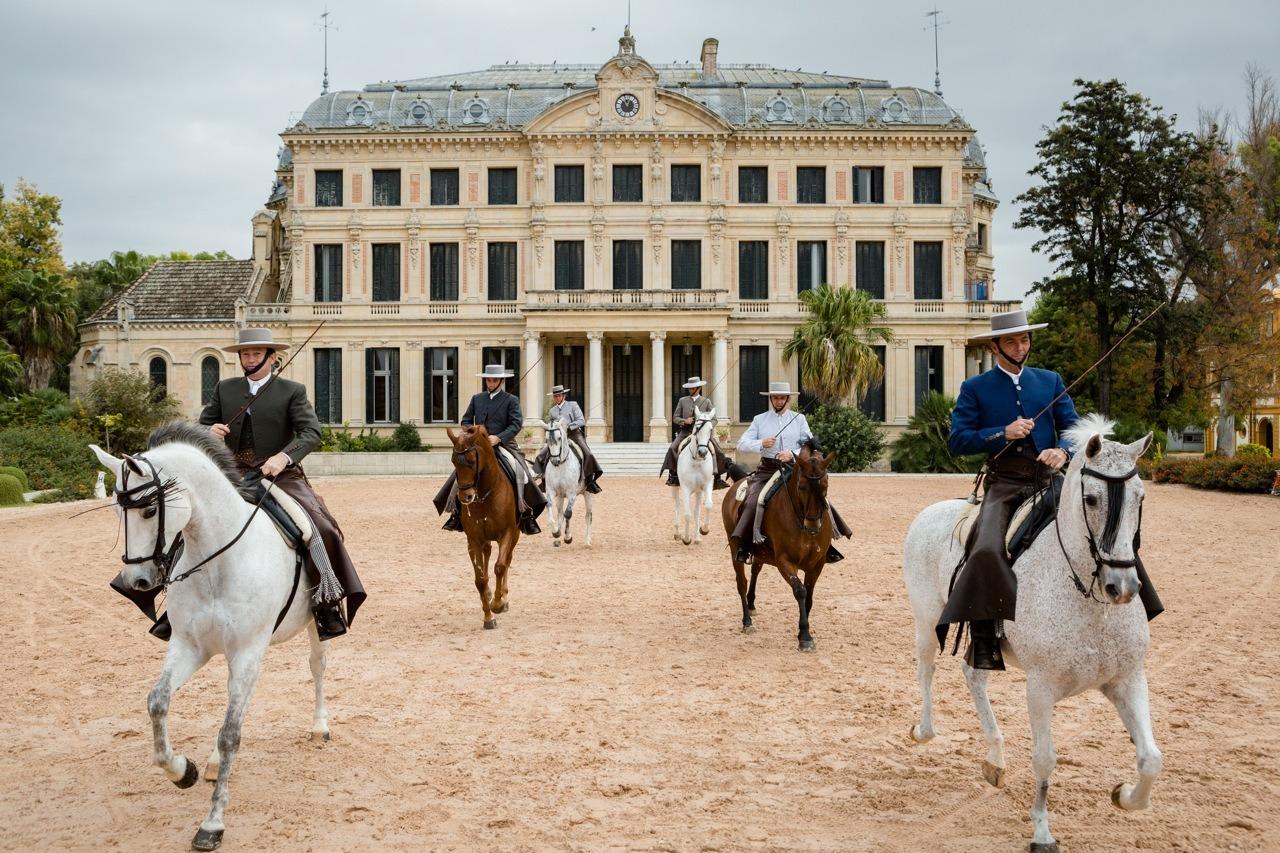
(618, 706)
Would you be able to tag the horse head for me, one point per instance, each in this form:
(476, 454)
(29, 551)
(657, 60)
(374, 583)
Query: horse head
(555, 438)
(470, 447)
(703, 428)
(1103, 481)
(145, 497)
(811, 485)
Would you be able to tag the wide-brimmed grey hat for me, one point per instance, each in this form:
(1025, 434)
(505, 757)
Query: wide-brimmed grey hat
(558, 389)
(495, 371)
(778, 389)
(694, 382)
(254, 339)
(1008, 323)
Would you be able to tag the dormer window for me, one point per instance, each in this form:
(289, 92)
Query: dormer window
(894, 109)
(778, 110)
(475, 111)
(360, 113)
(420, 113)
(836, 110)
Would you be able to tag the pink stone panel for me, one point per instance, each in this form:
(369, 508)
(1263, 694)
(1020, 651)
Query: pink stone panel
(899, 186)
(357, 189)
(841, 192)
(415, 188)
(783, 177)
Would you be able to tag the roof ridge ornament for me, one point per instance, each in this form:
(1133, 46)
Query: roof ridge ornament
(626, 44)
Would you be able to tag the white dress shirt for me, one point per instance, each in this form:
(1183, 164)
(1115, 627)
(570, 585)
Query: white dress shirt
(790, 428)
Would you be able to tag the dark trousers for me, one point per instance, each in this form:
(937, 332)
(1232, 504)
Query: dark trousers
(669, 462)
(590, 467)
(747, 512)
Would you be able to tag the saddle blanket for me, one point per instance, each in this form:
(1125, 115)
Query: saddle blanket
(1031, 517)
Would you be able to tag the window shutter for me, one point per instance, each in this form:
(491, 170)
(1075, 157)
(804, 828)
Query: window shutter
(393, 381)
(368, 386)
(753, 377)
(870, 268)
(928, 270)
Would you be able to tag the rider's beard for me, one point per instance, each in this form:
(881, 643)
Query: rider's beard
(777, 410)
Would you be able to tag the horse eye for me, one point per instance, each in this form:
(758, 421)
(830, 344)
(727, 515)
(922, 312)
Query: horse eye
(1091, 500)
(149, 512)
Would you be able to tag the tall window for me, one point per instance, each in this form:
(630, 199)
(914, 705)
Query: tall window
(811, 265)
(569, 369)
(502, 272)
(328, 275)
(329, 188)
(628, 264)
(686, 264)
(382, 385)
(753, 377)
(329, 385)
(753, 184)
(502, 186)
(869, 258)
(508, 357)
(686, 183)
(868, 185)
(872, 400)
(441, 369)
(982, 236)
(386, 187)
(928, 371)
(569, 184)
(928, 270)
(386, 272)
(926, 185)
(444, 186)
(158, 370)
(444, 272)
(811, 185)
(209, 370)
(569, 265)
(753, 269)
(628, 183)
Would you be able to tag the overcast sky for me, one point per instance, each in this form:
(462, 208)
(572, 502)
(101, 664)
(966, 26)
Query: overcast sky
(157, 121)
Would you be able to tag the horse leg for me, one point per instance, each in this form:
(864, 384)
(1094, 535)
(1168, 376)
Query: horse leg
(751, 592)
(676, 504)
(179, 663)
(1129, 694)
(926, 662)
(586, 496)
(568, 516)
(740, 572)
(557, 502)
(802, 601)
(704, 522)
(241, 678)
(686, 511)
(506, 549)
(1043, 760)
(480, 566)
(993, 765)
(320, 715)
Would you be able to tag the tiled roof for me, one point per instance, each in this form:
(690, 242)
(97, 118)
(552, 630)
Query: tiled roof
(184, 290)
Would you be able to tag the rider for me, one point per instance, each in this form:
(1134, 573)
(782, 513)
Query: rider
(777, 435)
(995, 411)
(499, 412)
(279, 428)
(576, 424)
(686, 409)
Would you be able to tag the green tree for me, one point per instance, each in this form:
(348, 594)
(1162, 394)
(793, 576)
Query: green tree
(29, 231)
(37, 311)
(10, 370)
(834, 343)
(129, 396)
(923, 447)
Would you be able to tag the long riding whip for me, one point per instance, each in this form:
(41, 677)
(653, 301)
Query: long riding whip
(273, 376)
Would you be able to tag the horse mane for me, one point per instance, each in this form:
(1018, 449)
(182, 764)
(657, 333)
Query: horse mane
(1086, 428)
(184, 432)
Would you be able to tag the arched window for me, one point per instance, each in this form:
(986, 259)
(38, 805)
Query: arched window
(208, 378)
(159, 373)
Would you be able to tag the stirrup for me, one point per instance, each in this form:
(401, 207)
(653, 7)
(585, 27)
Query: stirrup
(161, 630)
(329, 621)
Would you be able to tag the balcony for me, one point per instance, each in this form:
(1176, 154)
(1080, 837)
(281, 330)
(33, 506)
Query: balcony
(355, 311)
(627, 300)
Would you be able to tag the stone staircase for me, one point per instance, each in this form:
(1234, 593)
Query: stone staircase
(627, 459)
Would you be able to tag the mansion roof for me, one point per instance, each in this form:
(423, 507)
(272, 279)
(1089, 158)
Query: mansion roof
(186, 290)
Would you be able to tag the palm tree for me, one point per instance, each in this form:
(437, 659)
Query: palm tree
(835, 343)
(39, 318)
(923, 447)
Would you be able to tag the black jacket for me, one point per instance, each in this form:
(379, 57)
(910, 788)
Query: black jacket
(283, 418)
(500, 415)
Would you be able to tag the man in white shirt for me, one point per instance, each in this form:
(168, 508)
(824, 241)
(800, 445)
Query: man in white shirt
(576, 427)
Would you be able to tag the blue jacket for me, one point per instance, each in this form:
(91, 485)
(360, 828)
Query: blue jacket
(988, 403)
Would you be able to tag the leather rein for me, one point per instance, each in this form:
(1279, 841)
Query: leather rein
(466, 462)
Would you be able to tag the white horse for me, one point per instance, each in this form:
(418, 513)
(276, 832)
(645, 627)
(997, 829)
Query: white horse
(696, 469)
(1066, 642)
(563, 479)
(185, 485)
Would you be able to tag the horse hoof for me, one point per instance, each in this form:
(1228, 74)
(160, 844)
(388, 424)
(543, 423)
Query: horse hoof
(490, 623)
(917, 736)
(1037, 847)
(502, 608)
(319, 737)
(994, 775)
(748, 629)
(1115, 796)
(568, 540)
(808, 646)
(207, 839)
(556, 541)
(675, 535)
(190, 776)
(704, 530)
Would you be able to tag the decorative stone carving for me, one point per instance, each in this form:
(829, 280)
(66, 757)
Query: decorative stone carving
(836, 110)
(359, 113)
(420, 113)
(894, 110)
(475, 110)
(842, 234)
(778, 110)
(472, 226)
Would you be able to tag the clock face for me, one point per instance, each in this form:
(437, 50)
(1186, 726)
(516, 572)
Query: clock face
(627, 105)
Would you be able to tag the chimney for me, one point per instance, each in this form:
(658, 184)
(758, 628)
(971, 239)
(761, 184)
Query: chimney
(709, 49)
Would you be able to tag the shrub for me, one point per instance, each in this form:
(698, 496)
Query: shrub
(855, 439)
(1248, 474)
(47, 406)
(10, 490)
(18, 475)
(1254, 451)
(131, 397)
(344, 441)
(53, 458)
(923, 447)
(406, 438)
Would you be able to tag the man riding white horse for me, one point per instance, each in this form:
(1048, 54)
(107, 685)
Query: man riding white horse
(994, 414)
(498, 411)
(682, 418)
(777, 434)
(576, 424)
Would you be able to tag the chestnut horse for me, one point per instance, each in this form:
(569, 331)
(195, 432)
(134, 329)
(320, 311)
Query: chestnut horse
(797, 527)
(489, 514)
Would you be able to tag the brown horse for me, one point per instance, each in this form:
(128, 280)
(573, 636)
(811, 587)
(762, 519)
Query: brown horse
(488, 514)
(798, 530)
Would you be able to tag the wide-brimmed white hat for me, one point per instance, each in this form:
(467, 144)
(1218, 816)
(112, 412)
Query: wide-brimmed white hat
(495, 371)
(694, 382)
(558, 389)
(254, 339)
(779, 388)
(1008, 323)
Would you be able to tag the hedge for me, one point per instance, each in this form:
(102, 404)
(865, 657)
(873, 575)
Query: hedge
(1247, 474)
(10, 490)
(53, 458)
(17, 474)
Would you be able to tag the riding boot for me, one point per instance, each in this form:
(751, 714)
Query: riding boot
(672, 479)
(735, 471)
(161, 630)
(454, 521)
(833, 556)
(984, 646)
(529, 524)
(329, 621)
(741, 551)
(756, 536)
(592, 486)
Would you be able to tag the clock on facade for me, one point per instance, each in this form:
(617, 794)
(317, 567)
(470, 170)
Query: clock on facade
(627, 105)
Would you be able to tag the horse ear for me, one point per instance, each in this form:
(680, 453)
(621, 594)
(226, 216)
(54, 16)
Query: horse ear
(1095, 444)
(1139, 448)
(106, 460)
(453, 436)
(828, 459)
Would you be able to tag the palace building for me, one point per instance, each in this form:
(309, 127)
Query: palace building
(612, 228)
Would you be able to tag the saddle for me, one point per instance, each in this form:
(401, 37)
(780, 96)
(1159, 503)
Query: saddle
(777, 481)
(1031, 517)
(290, 518)
(508, 463)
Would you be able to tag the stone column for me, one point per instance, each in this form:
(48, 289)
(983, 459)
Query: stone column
(657, 367)
(412, 399)
(353, 396)
(719, 366)
(595, 384)
(532, 385)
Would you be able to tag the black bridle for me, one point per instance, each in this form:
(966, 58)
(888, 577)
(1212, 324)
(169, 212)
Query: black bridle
(702, 448)
(1115, 502)
(562, 453)
(463, 459)
(815, 495)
